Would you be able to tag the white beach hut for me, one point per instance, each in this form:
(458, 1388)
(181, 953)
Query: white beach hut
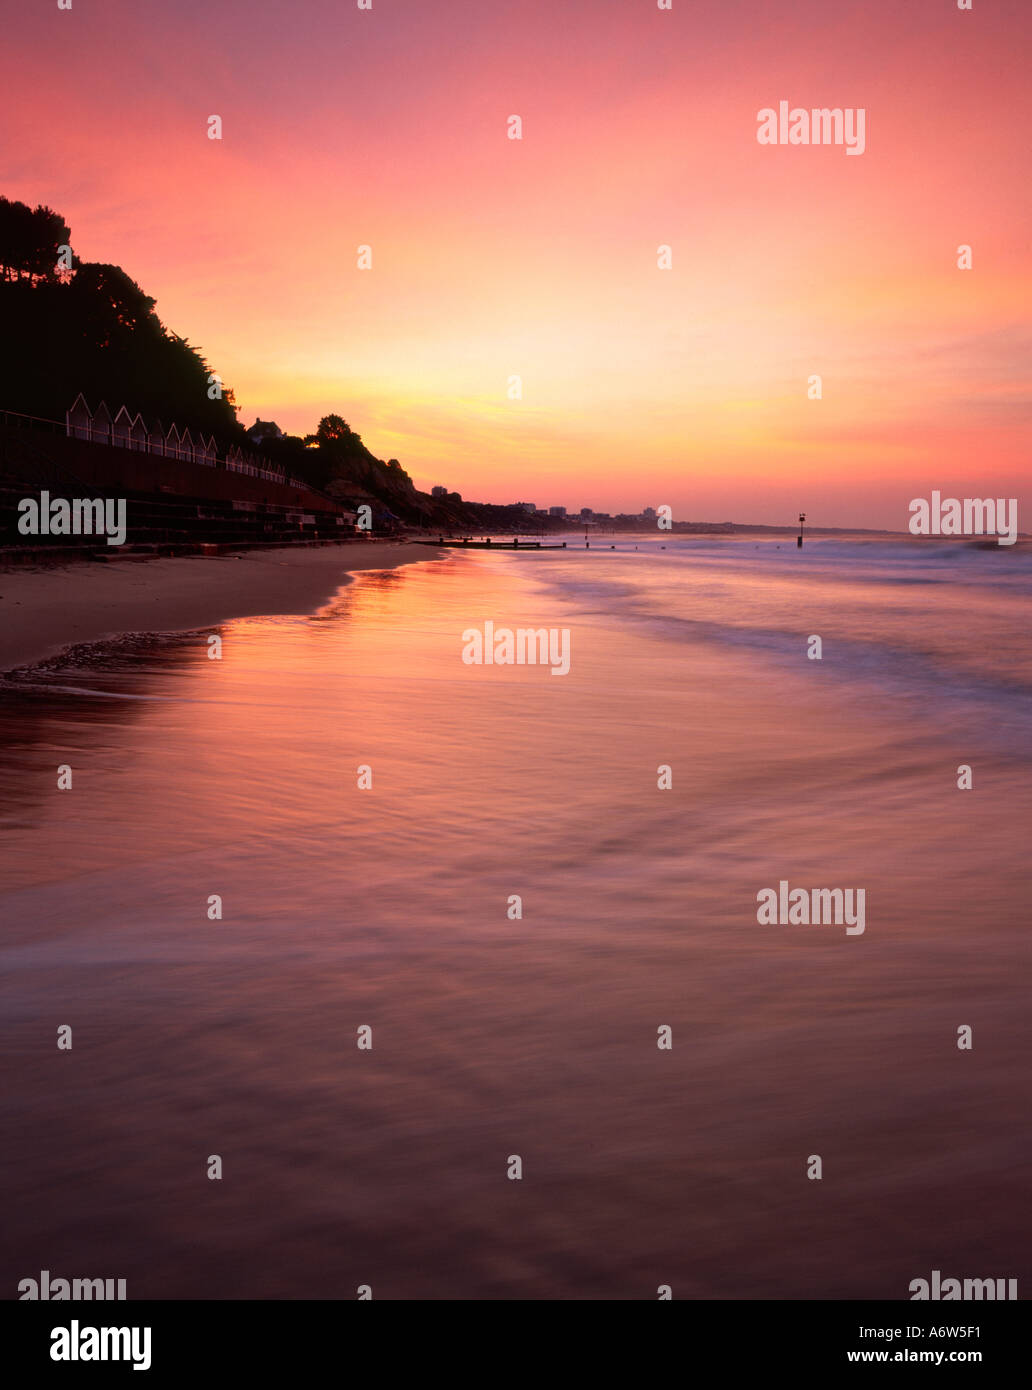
(138, 434)
(77, 419)
(100, 426)
(121, 427)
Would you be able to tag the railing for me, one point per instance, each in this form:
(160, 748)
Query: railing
(46, 472)
(13, 419)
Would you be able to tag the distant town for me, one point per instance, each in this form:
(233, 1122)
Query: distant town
(585, 517)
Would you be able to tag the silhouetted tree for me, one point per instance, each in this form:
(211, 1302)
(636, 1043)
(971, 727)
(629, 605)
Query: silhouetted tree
(93, 330)
(110, 306)
(332, 429)
(29, 240)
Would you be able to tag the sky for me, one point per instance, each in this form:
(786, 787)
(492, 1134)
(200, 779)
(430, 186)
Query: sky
(537, 258)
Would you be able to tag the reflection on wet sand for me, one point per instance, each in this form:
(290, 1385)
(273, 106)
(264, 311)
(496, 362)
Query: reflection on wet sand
(233, 1030)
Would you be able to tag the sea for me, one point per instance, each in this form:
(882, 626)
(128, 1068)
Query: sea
(386, 969)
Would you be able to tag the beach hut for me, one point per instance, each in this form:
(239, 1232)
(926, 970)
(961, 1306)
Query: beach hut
(156, 438)
(208, 451)
(120, 428)
(100, 426)
(186, 445)
(172, 443)
(138, 434)
(77, 419)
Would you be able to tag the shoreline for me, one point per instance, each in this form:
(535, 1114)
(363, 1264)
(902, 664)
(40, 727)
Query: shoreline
(45, 611)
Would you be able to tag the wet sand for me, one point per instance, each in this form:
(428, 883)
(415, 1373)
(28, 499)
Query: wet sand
(44, 610)
(387, 907)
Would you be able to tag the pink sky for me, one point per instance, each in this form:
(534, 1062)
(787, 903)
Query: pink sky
(537, 258)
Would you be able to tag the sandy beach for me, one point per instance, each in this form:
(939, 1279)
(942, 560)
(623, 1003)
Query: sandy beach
(44, 610)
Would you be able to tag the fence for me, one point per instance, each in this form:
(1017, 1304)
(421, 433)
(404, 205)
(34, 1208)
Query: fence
(125, 431)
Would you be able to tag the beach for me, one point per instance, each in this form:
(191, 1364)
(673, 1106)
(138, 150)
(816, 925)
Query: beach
(340, 832)
(43, 610)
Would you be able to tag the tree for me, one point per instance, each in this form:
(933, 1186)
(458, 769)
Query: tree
(94, 330)
(112, 305)
(29, 241)
(333, 428)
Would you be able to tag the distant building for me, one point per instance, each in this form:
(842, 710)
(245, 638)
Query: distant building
(557, 511)
(262, 430)
(650, 512)
(586, 512)
(527, 506)
(438, 491)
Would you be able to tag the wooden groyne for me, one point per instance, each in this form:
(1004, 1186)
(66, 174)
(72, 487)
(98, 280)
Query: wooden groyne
(493, 545)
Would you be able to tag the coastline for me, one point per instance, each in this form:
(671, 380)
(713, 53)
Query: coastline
(44, 611)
